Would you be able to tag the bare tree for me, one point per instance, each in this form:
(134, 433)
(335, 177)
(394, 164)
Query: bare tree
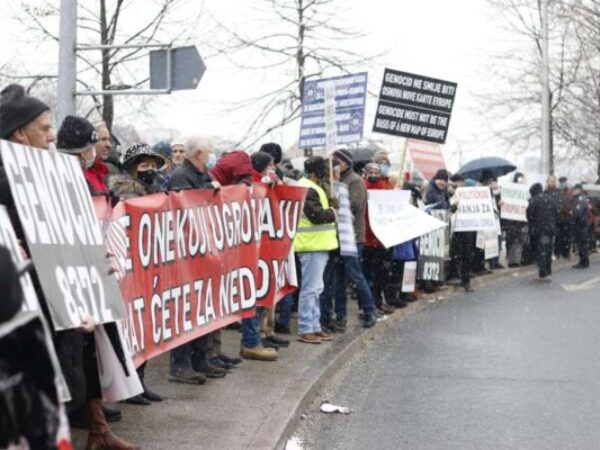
(112, 22)
(297, 39)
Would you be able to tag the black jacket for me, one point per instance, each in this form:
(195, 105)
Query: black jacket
(314, 211)
(542, 215)
(186, 176)
(435, 196)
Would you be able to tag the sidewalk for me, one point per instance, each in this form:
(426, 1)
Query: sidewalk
(257, 406)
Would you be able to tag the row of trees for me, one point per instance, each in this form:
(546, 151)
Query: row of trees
(514, 110)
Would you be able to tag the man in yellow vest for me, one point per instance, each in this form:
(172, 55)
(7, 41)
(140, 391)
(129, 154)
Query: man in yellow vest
(316, 236)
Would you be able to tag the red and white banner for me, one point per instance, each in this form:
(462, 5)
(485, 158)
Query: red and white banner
(426, 157)
(194, 261)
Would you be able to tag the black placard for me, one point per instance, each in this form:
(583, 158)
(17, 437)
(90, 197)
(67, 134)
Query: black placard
(414, 106)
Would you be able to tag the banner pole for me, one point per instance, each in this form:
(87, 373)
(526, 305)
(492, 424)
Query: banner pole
(400, 182)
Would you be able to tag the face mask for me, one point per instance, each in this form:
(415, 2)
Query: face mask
(384, 169)
(496, 192)
(373, 179)
(147, 176)
(212, 161)
(89, 163)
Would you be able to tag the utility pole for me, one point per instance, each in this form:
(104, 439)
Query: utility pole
(67, 60)
(545, 157)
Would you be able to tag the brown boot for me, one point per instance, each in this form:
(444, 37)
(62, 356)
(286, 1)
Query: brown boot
(100, 437)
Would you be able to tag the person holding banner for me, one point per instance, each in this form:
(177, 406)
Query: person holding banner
(315, 238)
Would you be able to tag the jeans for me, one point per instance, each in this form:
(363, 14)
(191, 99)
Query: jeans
(342, 268)
(251, 329)
(181, 357)
(285, 310)
(309, 311)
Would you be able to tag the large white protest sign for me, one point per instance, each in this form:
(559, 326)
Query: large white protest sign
(394, 220)
(515, 198)
(64, 236)
(475, 210)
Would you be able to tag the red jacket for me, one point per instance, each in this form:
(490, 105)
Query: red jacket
(232, 167)
(95, 177)
(370, 239)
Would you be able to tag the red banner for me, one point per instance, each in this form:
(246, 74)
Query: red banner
(426, 157)
(195, 261)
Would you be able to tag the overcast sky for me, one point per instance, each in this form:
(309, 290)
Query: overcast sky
(451, 40)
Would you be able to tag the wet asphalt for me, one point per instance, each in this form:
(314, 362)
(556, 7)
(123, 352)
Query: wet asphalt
(512, 366)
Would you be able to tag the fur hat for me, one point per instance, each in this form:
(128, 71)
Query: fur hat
(136, 152)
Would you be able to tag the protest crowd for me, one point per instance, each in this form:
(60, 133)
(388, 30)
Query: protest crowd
(335, 255)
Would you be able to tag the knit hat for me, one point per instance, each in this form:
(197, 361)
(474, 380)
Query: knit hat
(17, 109)
(457, 178)
(260, 161)
(442, 174)
(470, 182)
(75, 135)
(372, 166)
(316, 165)
(136, 152)
(163, 148)
(274, 150)
(343, 154)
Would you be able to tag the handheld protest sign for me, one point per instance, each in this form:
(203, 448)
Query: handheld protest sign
(414, 106)
(475, 211)
(515, 198)
(63, 234)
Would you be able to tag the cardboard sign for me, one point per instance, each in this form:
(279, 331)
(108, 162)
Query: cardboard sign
(345, 226)
(195, 261)
(409, 277)
(515, 198)
(63, 233)
(414, 106)
(475, 209)
(426, 157)
(394, 220)
(433, 250)
(350, 98)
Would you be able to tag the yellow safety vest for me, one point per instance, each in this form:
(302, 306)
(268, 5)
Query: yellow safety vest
(311, 237)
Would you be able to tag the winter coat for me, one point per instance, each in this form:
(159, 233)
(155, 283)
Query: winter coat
(542, 215)
(358, 202)
(580, 210)
(96, 177)
(187, 176)
(126, 187)
(370, 238)
(314, 211)
(435, 196)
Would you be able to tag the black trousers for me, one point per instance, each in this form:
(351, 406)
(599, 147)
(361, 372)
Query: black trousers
(464, 243)
(564, 239)
(542, 245)
(379, 271)
(582, 239)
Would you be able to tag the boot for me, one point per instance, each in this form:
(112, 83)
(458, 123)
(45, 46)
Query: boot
(100, 436)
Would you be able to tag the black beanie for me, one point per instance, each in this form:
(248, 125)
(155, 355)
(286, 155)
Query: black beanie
(12, 295)
(344, 155)
(17, 109)
(274, 150)
(260, 161)
(75, 135)
(315, 165)
(442, 174)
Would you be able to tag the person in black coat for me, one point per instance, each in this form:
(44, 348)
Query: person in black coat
(581, 226)
(542, 217)
(437, 190)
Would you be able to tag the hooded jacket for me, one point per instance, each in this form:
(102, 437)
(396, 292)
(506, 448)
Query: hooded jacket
(232, 167)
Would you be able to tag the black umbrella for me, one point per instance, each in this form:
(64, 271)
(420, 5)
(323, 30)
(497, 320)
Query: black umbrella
(497, 166)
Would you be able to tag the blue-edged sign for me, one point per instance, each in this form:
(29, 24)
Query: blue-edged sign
(350, 100)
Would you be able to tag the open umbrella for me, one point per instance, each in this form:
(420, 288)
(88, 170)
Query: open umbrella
(497, 166)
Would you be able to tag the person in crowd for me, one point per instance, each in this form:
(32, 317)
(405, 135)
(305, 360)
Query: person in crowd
(276, 153)
(141, 165)
(263, 169)
(463, 243)
(436, 196)
(515, 233)
(106, 152)
(189, 363)
(565, 225)
(377, 260)
(235, 167)
(178, 154)
(581, 226)
(316, 236)
(164, 149)
(542, 218)
(496, 191)
(341, 268)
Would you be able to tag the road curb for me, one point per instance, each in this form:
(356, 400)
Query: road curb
(286, 413)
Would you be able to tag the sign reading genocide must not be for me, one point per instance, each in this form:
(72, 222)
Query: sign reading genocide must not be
(414, 106)
(63, 233)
